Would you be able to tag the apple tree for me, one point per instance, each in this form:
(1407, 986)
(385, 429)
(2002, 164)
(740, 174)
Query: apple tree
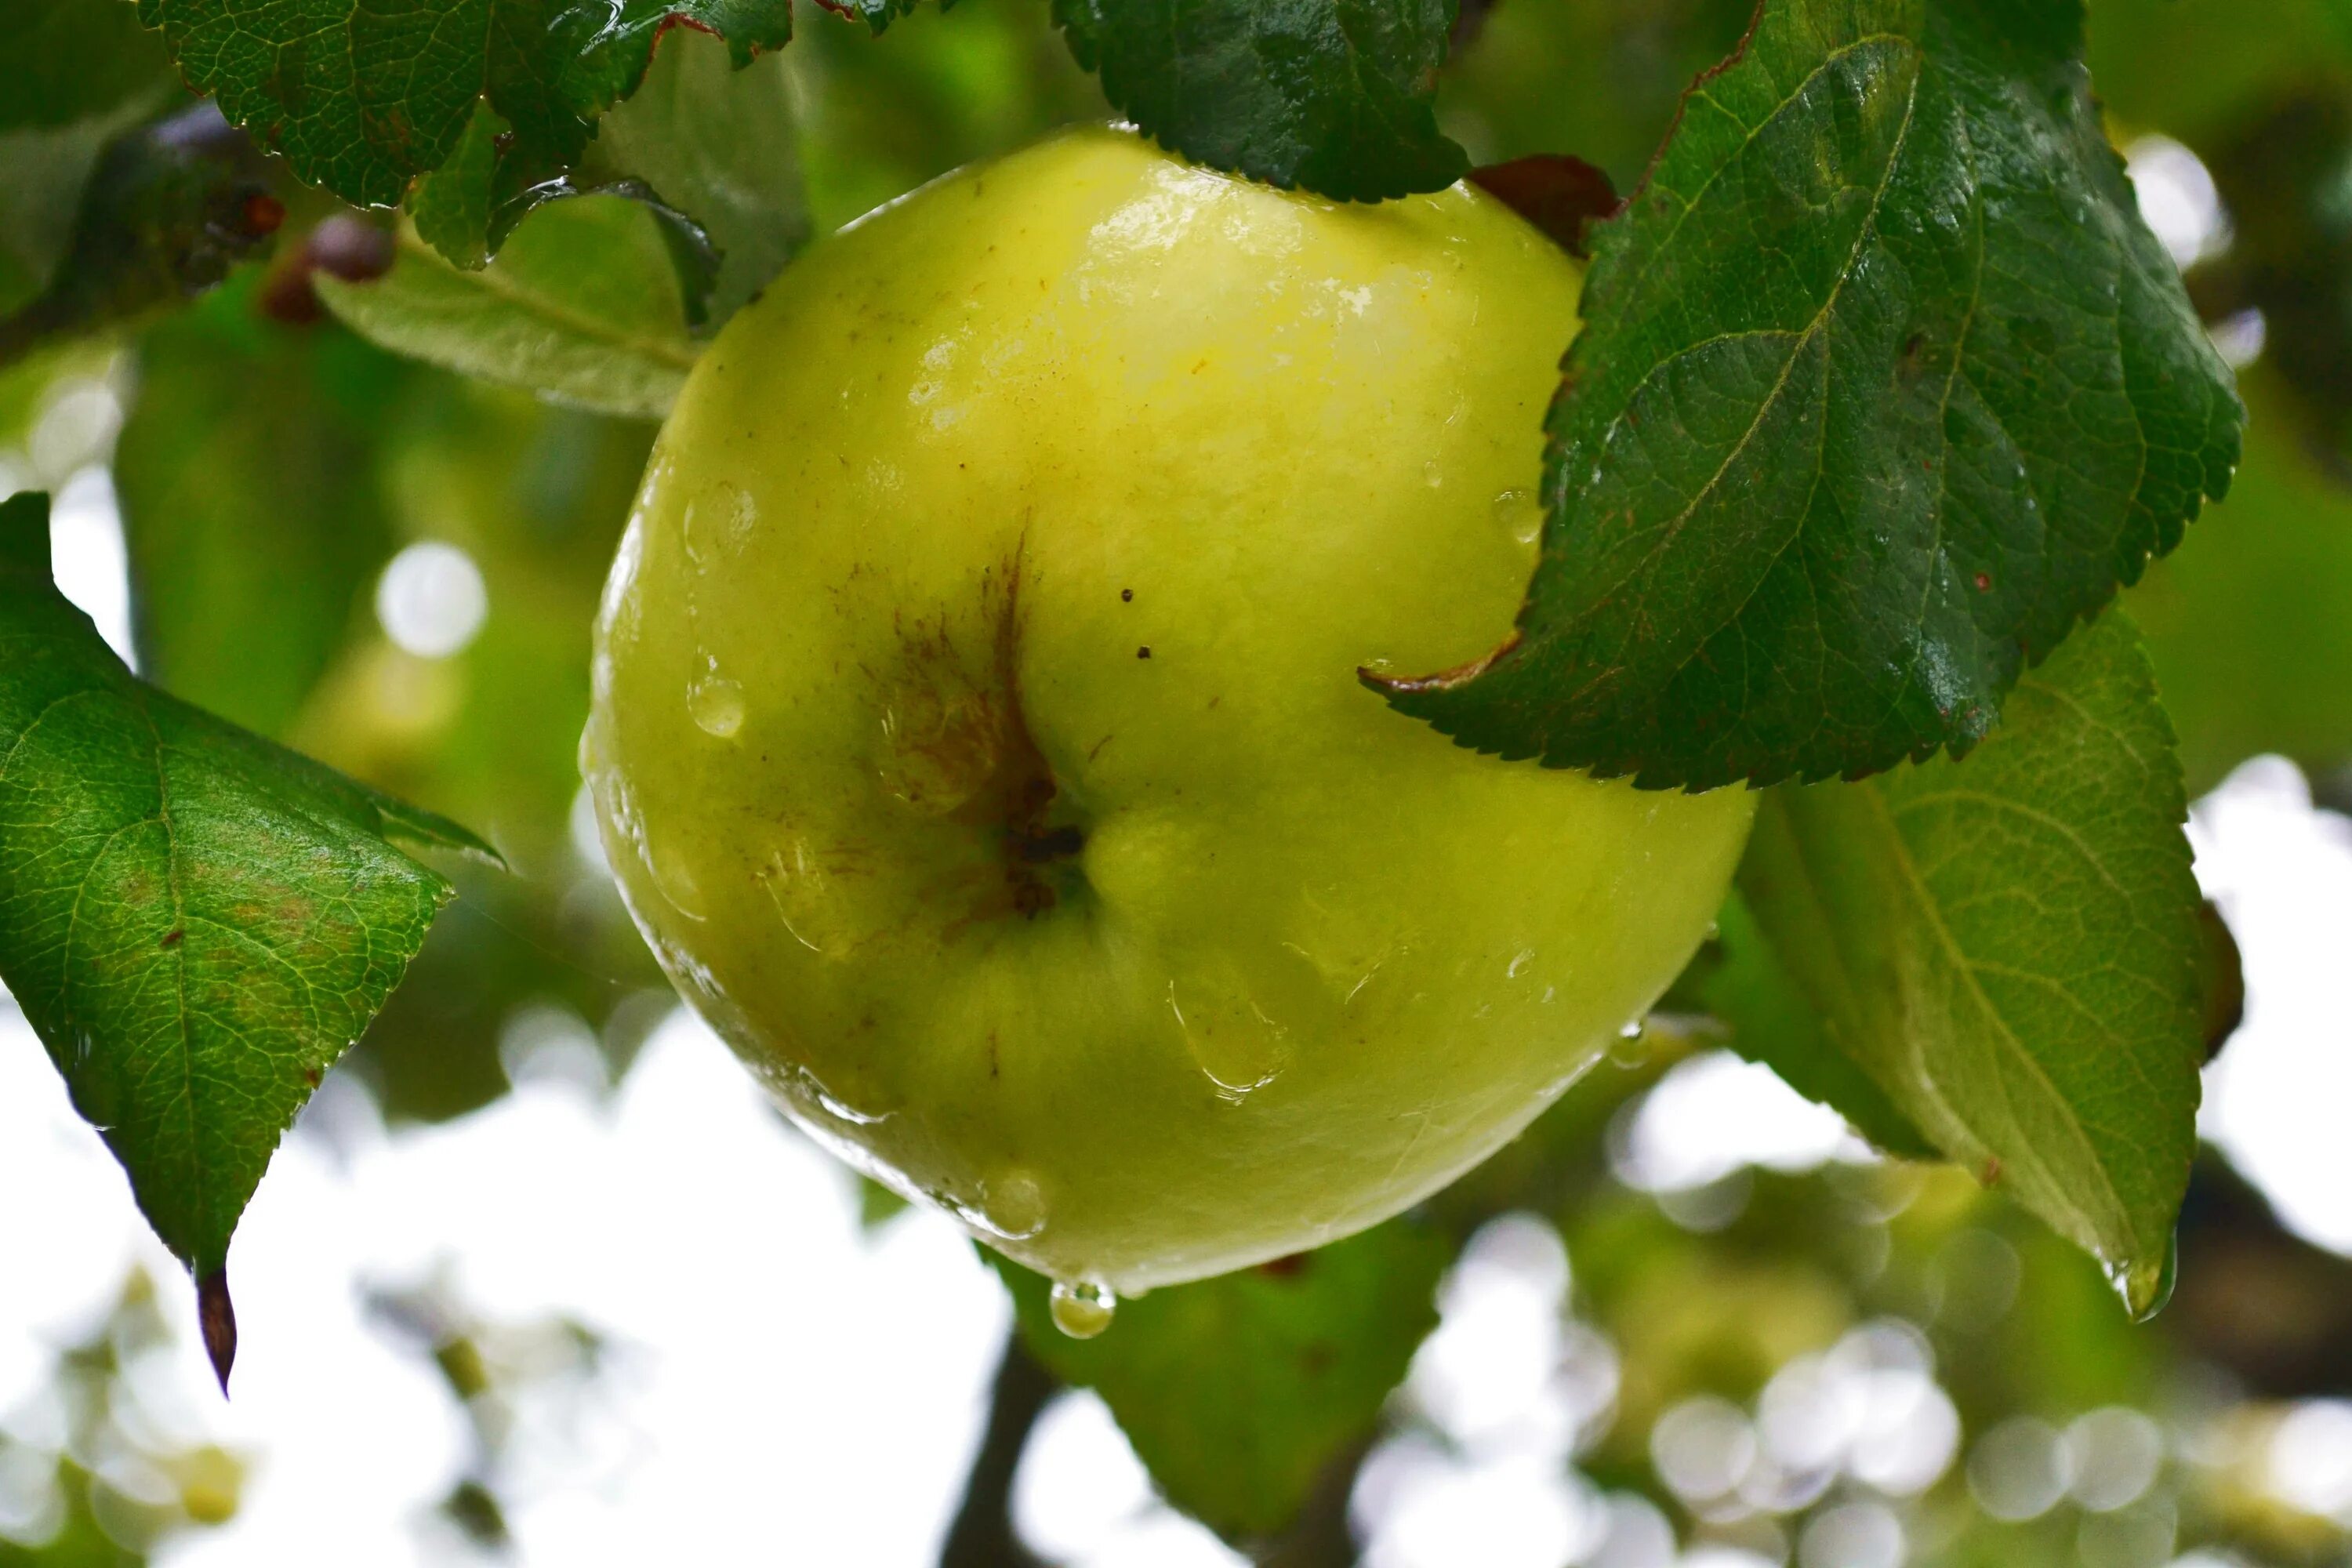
(1852, 503)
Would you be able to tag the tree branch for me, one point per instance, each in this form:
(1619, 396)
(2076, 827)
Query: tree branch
(983, 1535)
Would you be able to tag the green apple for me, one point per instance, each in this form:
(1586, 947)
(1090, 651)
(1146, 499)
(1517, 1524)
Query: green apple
(978, 736)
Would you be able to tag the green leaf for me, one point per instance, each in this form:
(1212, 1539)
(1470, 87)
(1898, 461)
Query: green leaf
(708, 150)
(195, 921)
(2010, 948)
(582, 305)
(1338, 96)
(451, 205)
(1884, 385)
(877, 1205)
(1238, 1392)
(460, 211)
(1773, 1022)
(719, 146)
(363, 96)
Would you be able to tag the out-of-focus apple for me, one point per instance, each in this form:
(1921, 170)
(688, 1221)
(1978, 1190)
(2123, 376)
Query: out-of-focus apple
(978, 734)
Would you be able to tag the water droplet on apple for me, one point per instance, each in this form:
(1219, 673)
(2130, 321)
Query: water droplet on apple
(1630, 1048)
(1432, 476)
(802, 1091)
(717, 705)
(1233, 1043)
(1082, 1309)
(944, 746)
(1012, 1207)
(1525, 956)
(675, 879)
(842, 1111)
(1520, 514)
(717, 524)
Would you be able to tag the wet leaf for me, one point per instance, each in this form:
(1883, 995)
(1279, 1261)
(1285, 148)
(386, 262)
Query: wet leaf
(1336, 96)
(582, 305)
(196, 922)
(2011, 947)
(363, 97)
(1884, 385)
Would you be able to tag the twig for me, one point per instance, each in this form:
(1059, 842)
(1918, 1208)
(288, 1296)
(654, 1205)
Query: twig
(981, 1535)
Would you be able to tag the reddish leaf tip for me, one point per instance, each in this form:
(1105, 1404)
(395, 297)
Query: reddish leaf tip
(217, 1315)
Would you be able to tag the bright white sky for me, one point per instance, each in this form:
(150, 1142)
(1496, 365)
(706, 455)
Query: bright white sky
(779, 1377)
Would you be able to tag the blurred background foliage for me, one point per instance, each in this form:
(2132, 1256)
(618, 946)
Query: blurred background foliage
(1861, 1364)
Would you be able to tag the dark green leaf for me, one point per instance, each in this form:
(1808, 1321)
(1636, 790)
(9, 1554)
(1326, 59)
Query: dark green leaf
(2011, 947)
(1884, 387)
(195, 921)
(582, 305)
(362, 97)
(1338, 96)
(1773, 1022)
(1237, 1391)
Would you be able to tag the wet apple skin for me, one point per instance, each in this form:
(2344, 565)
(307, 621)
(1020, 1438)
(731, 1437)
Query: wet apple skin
(977, 736)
